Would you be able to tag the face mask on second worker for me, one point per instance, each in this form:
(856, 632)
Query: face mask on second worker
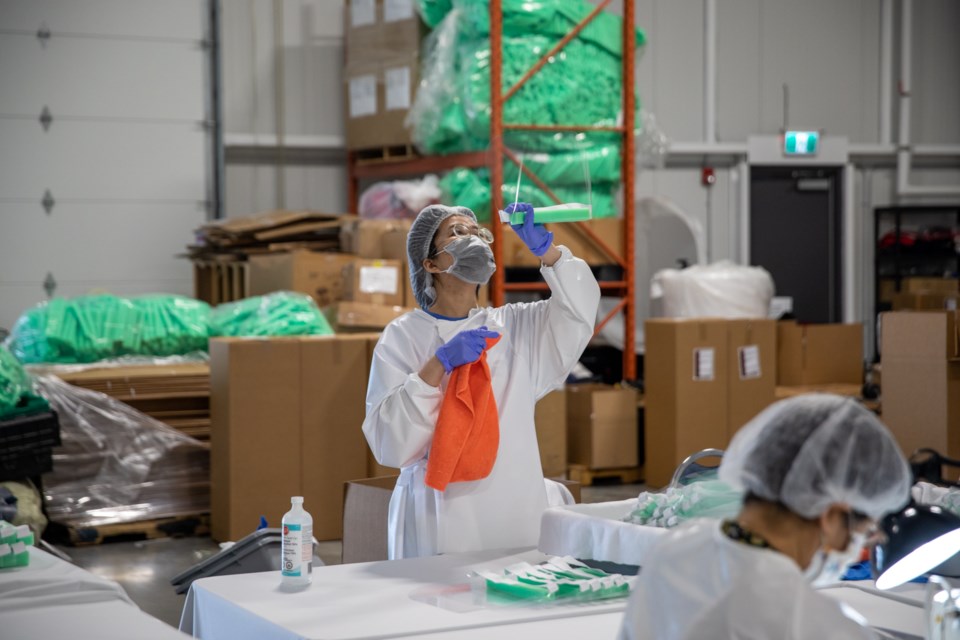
(472, 260)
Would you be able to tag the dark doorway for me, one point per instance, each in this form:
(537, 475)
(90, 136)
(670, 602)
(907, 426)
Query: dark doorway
(796, 235)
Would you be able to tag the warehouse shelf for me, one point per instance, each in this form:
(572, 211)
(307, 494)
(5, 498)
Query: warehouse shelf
(494, 157)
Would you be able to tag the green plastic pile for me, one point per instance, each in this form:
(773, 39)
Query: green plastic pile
(581, 85)
(14, 383)
(93, 328)
(558, 578)
(284, 313)
(676, 505)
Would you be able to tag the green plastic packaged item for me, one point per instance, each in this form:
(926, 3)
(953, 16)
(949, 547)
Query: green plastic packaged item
(6, 556)
(283, 313)
(20, 554)
(100, 327)
(14, 383)
(8, 533)
(25, 535)
(572, 212)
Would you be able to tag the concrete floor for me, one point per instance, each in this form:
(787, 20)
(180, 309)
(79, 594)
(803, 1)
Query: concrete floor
(145, 568)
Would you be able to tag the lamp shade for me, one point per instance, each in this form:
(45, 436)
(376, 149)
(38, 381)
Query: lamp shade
(919, 540)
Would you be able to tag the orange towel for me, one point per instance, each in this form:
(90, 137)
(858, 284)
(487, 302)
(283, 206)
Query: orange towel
(467, 436)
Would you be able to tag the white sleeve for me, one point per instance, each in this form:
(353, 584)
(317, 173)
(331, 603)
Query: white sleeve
(552, 334)
(402, 409)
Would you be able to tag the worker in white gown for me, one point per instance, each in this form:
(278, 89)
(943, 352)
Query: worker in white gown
(540, 342)
(818, 471)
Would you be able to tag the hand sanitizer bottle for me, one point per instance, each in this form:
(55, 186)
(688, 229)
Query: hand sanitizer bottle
(297, 547)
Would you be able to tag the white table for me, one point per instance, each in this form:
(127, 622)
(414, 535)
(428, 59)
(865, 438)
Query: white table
(389, 600)
(378, 600)
(52, 599)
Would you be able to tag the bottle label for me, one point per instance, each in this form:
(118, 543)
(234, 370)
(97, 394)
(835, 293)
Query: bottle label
(306, 543)
(292, 555)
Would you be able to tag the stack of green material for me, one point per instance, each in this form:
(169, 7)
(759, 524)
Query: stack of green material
(557, 578)
(284, 313)
(14, 384)
(92, 328)
(581, 85)
(676, 505)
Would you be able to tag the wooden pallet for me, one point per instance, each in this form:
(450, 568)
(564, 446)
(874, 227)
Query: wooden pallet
(177, 527)
(588, 477)
(391, 153)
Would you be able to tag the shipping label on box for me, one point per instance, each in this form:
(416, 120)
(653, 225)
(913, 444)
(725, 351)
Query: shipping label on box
(362, 13)
(399, 90)
(395, 10)
(374, 282)
(362, 95)
(748, 362)
(703, 360)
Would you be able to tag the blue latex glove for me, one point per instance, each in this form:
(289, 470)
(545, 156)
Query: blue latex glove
(535, 236)
(464, 348)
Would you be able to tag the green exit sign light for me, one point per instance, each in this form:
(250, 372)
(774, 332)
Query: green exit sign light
(801, 143)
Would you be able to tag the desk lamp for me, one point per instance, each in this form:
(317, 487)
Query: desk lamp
(919, 540)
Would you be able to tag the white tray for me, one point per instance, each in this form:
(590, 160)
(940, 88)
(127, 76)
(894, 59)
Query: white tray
(596, 532)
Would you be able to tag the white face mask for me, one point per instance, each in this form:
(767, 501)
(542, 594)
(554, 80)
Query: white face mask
(827, 567)
(472, 260)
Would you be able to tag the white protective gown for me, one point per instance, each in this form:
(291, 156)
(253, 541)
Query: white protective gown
(540, 344)
(698, 583)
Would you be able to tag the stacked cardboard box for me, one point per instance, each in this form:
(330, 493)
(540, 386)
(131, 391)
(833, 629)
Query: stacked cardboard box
(921, 379)
(926, 294)
(177, 395)
(819, 357)
(382, 71)
(704, 378)
(221, 255)
(286, 420)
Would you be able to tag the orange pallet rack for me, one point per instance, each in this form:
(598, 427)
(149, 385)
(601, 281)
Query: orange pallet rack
(493, 159)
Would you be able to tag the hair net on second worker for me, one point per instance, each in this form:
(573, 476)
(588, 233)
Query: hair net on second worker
(418, 248)
(815, 450)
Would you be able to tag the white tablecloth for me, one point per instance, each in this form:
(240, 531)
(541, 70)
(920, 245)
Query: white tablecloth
(381, 600)
(597, 532)
(52, 599)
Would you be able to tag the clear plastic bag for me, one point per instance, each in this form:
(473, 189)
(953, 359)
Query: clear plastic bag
(399, 199)
(117, 464)
(284, 313)
(719, 290)
(580, 85)
(676, 505)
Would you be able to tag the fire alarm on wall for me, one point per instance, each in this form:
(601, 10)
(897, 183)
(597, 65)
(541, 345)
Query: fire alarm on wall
(707, 177)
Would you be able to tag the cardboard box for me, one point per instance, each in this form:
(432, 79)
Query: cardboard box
(930, 285)
(550, 418)
(381, 29)
(354, 317)
(685, 374)
(610, 230)
(378, 96)
(809, 354)
(373, 282)
(929, 301)
(752, 374)
(921, 380)
(374, 468)
(319, 275)
(365, 507)
(602, 426)
(364, 237)
(255, 463)
(286, 416)
(332, 408)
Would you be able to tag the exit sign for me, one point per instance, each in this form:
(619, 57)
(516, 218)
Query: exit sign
(801, 143)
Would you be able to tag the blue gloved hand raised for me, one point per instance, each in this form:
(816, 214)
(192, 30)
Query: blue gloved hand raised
(535, 236)
(464, 348)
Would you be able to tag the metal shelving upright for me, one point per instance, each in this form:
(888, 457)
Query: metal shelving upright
(493, 159)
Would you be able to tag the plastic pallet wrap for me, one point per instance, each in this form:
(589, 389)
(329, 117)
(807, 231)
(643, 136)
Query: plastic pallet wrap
(118, 465)
(719, 290)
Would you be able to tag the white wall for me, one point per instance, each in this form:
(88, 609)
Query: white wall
(125, 157)
(282, 72)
